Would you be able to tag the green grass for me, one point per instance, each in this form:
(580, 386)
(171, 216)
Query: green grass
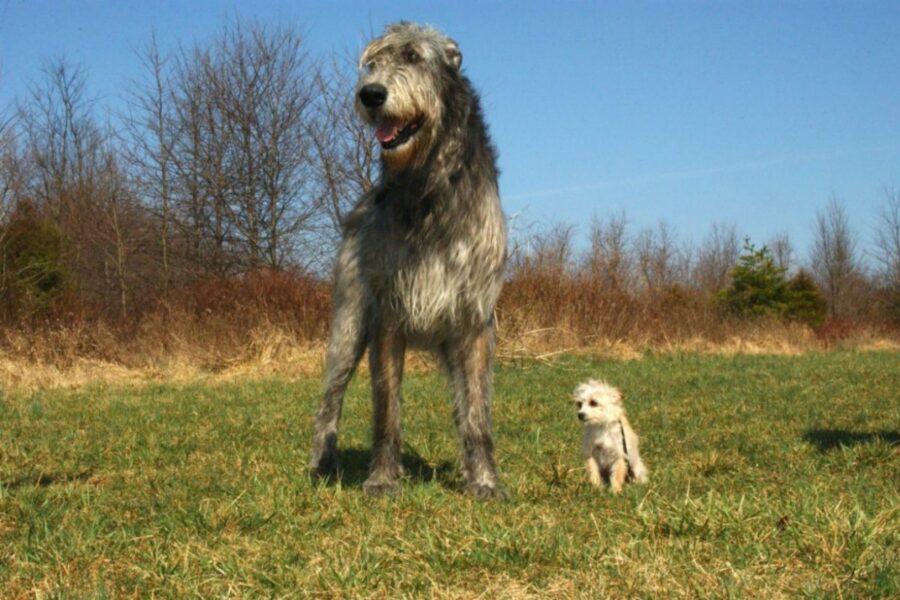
(770, 477)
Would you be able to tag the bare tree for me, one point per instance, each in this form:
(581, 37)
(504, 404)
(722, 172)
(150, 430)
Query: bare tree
(62, 138)
(608, 259)
(660, 262)
(200, 182)
(782, 251)
(114, 239)
(548, 251)
(149, 129)
(10, 190)
(231, 147)
(887, 240)
(11, 171)
(834, 259)
(717, 255)
(262, 91)
(64, 147)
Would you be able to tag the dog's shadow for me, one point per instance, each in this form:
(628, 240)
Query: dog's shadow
(45, 480)
(353, 468)
(829, 439)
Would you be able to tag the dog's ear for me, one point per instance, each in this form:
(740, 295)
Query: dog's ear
(453, 54)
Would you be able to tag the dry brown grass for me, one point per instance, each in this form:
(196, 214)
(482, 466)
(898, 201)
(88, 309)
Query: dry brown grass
(264, 325)
(74, 357)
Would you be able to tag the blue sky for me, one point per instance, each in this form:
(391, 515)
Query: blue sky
(746, 113)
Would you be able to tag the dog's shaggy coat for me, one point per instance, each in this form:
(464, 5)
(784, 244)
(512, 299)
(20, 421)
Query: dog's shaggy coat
(422, 256)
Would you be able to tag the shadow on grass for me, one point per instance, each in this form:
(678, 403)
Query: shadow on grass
(46, 480)
(354, 467)
(829, 439)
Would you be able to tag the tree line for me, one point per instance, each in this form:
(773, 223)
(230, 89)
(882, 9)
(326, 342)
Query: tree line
(240, 155)
(228, 157)
(853, 277)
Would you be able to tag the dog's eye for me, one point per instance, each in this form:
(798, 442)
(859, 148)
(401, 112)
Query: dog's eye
(593, 403)
(577, 404)
(411, 56)
(369, 66)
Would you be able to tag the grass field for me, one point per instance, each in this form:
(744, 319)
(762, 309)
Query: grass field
(770, 477)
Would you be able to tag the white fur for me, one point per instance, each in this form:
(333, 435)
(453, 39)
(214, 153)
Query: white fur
(603, 449)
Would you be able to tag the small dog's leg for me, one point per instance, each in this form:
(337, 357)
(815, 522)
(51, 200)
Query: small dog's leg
(386, 350)
(617, 476)
(469, 362)
(346, 344)
(593, 470)
(638, 468)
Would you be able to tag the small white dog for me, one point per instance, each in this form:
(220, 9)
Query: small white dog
(610, 445)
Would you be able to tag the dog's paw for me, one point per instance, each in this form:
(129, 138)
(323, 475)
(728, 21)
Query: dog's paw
(486, 491)
(324, 468)
(380, 486)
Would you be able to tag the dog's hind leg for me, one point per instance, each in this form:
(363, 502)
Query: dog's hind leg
(346, 344)
(638, 470)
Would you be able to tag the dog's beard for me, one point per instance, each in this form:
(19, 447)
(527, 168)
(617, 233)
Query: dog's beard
(606, 416)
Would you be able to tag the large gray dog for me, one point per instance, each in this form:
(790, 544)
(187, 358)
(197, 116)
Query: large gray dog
(422, 256)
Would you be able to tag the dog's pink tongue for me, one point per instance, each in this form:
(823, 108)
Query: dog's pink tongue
(388, 130)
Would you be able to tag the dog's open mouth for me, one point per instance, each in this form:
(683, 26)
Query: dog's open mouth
(394, 132)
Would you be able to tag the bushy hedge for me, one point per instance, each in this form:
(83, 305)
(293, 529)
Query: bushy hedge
(31, 271)
(760, 288)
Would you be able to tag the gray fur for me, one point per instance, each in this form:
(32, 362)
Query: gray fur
(422, 257)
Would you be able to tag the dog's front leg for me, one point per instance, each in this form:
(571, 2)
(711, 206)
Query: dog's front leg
(386, 352)
(618, 475)
(593, 470)
(470, 361)
(346, 344)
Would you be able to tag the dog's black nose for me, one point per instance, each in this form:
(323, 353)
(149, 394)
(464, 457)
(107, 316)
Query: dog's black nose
(581, 416)
(373, 95)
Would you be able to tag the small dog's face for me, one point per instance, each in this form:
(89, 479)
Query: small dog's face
(598, 403)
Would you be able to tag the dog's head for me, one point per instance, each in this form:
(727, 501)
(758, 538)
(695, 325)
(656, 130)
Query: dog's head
(598, 403)
(403, 75)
